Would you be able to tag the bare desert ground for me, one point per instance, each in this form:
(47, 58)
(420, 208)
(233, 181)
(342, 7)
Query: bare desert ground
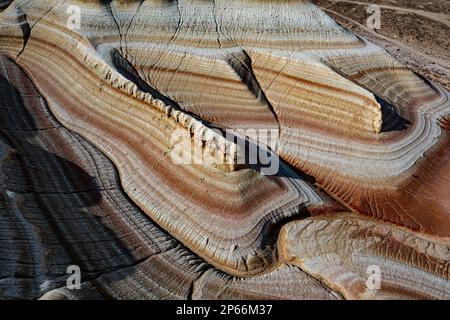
(416, 32)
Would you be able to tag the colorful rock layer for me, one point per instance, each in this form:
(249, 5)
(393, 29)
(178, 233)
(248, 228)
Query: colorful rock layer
(363, 143)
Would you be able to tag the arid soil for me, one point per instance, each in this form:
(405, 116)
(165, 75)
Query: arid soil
(416, 32)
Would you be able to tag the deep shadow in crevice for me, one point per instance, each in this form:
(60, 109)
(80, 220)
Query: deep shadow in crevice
(391, 120)
(266, 158)
(241, 63)
(427, 82)
(271, 231)
(126, 69)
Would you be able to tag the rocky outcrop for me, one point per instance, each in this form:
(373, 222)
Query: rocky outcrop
(151, 89)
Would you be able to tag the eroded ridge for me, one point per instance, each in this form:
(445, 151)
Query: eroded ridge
(62, 205)
(134, 130)
(351, 120)
(344, 250)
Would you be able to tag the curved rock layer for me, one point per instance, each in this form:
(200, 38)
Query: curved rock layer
(134, 78)
(175, 275)
(347, 252)
(61, 204)
(136, 132)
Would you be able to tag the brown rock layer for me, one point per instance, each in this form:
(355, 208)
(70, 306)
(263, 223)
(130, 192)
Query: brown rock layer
(150, 89)
(62, 205)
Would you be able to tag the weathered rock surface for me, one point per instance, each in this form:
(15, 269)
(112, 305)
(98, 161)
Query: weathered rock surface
(356, 131)
(62, 205)
(343, 251)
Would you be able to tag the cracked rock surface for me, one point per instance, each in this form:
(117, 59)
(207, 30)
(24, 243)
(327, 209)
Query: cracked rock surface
(87, 174)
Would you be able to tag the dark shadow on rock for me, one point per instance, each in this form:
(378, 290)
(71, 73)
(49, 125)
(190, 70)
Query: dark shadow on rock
(391, 120)
(4, 4)
(126, 69)
(52, 212)
(131, 74)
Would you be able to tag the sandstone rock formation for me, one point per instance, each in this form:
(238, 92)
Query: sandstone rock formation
(92, 93)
